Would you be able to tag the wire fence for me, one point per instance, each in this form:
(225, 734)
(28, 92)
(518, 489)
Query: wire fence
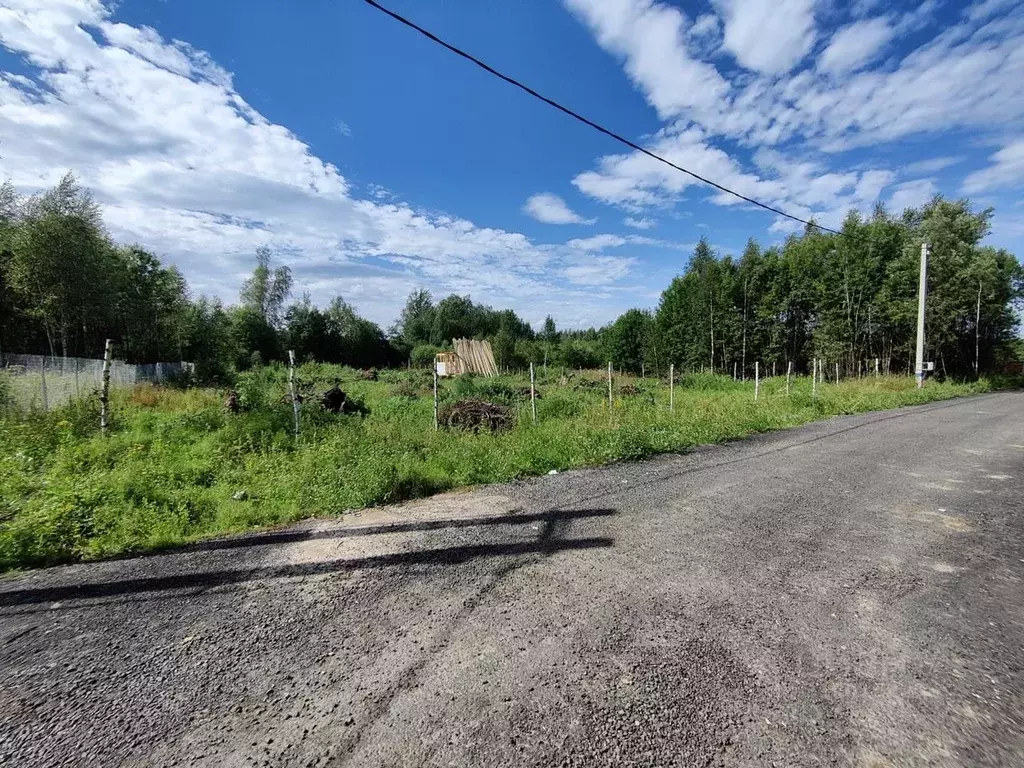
(39, 382)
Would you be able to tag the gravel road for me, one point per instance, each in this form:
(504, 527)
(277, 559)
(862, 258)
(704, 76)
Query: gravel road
(846, 593)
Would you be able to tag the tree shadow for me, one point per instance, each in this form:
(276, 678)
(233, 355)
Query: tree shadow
(269, 538)
(546, 543)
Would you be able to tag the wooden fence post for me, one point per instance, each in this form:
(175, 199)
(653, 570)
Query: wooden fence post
(108, 352)
(789, 374)
(837, 373)
(672, 387)
(533, 395)
(876, 367)
(294, 392)
(814, 379)
(757, 379)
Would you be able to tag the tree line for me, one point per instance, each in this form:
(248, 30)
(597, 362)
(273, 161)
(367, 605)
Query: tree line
(65, 287)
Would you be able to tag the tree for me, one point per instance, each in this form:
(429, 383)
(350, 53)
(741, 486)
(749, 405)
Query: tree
(307, 332)
(417, 319)
(550, 332)
(60, 263)
(266, 291)
(628, 340)
(357, 341)
(150, 304)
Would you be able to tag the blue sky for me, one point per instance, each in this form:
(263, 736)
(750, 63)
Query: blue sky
(372, 161)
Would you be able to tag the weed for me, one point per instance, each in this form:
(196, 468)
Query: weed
(177, 466)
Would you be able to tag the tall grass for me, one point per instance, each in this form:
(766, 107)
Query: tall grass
(177, 466)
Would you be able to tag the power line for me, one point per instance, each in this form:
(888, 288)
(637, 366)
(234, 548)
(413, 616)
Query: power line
(576, 116)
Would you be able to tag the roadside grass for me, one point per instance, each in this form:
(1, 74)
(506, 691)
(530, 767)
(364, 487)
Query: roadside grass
(177, 467)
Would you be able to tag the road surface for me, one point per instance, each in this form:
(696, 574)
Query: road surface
(847, 593)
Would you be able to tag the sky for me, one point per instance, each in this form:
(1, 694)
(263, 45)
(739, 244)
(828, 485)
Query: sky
(373, 161)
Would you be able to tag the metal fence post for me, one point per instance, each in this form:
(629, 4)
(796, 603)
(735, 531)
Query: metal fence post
(672, 387)
(435, 396)
(609, 386)
(533, 395)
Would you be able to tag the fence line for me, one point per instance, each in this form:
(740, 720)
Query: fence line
(41, 382)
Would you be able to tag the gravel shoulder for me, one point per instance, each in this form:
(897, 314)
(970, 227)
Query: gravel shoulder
(845, 593)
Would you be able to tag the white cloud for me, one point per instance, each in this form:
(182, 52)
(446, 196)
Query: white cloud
(768, 36)
(551, 209)
(343, 128)
(597, 242)
(1005, 172)
(932, 165)
(650, 37)
(912, 194)
(968, 75)
(705, 26)
(639, 223)
(987, 8)
(855, 45)
(183, 165)
(801, 187)
(598, 270)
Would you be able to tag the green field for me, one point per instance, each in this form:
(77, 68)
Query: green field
(177, 467)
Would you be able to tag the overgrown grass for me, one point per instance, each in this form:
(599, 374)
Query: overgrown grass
(177, 467)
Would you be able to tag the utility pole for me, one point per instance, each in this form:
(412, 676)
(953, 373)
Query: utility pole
(922, 293)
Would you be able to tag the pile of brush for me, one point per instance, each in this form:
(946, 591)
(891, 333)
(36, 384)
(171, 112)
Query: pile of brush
(475, 415)
(336, 400)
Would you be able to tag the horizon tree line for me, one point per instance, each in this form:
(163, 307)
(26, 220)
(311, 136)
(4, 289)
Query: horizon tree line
(849, 298)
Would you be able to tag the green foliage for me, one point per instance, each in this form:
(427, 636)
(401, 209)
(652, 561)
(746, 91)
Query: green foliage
(175, 462)
(423, 355)
(848, 298)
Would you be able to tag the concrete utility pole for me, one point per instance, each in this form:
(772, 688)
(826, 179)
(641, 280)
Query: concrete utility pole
(922, 293)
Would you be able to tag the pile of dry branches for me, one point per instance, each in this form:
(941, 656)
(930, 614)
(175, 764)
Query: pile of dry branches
(475, 415)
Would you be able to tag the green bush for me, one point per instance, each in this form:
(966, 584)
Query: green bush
(423, 355)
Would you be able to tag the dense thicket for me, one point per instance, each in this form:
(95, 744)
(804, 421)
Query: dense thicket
(847, 298)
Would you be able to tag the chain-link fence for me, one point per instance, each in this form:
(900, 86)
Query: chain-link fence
(43, 383)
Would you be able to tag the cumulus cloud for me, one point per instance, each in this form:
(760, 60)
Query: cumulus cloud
(185, 166)
(639, 222)
(551, 209)
(768, 36)
(912, 194)
(1005, 172)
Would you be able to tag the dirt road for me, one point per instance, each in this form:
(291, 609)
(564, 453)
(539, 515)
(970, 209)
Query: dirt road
(847, 593)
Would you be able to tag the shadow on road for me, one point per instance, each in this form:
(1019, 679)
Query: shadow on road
(270, 538)
(547, 542)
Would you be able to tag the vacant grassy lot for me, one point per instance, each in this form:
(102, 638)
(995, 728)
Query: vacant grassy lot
(178, 467)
